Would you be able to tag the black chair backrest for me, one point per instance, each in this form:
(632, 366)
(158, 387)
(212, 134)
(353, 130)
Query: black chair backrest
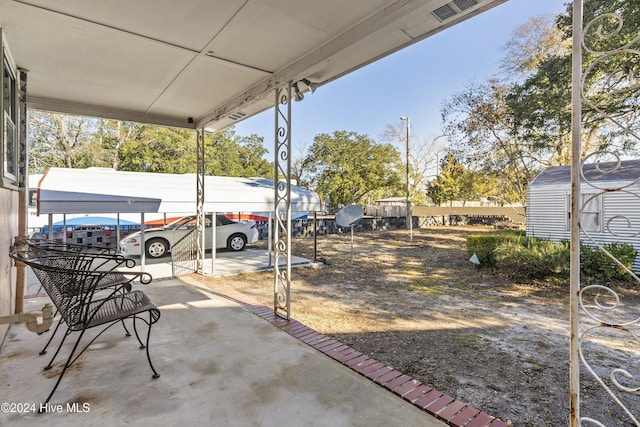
(70, 289)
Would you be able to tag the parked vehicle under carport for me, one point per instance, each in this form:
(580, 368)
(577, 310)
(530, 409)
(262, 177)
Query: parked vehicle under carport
(158, 242)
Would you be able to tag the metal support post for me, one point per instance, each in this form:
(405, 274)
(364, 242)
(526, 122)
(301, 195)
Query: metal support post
(574, 275)
(282, 209)
(200, 219)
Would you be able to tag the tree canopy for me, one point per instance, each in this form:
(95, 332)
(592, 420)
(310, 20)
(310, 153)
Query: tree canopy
(455, 182)
(62, 141)
(79, 142)
(514, 125)
(160, 150)
(346, 167)
(228, 154)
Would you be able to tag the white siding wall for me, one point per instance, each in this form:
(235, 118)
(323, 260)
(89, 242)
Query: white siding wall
(546, 216)
(8, 229)
(546, 213)
(626, 207)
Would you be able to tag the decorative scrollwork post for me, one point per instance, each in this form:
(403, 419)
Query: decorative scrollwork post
(597, 314)
(282, 188)
(200, 251)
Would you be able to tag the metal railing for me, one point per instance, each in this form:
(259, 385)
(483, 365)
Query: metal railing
(184, 255)
(599, 318)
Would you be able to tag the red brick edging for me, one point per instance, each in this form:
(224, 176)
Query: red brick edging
(446, 408)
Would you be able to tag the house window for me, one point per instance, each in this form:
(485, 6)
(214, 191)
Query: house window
(590, 212)
(9, 134)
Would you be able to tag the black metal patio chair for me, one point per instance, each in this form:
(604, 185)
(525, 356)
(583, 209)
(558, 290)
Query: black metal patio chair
(80, 257)
(83, 305)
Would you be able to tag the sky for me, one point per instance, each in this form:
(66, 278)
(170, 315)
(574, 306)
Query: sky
(412, 82)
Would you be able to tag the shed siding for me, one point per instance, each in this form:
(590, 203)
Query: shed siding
(546, 215)
(621, 215)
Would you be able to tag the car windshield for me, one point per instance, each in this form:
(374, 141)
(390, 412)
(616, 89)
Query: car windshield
(190, 221)
(177, 223)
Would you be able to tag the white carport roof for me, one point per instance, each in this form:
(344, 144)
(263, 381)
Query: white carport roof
(204, 63)
(98, 190)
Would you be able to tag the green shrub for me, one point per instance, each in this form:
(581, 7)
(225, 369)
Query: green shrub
(485, 245)
(595, 264)
(533, 258)
(523, 257)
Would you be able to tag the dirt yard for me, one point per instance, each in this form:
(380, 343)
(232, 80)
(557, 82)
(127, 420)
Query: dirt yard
(423, 308)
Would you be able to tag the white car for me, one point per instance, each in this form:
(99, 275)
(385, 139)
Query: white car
(158, 241)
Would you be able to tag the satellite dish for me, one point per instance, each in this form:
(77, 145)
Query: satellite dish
(349, 215)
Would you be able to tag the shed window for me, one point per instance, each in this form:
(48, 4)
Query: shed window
(590, 212)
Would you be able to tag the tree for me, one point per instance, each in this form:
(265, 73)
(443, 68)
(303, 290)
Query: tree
(58, 140)
(542, 103)
(227, 154)
(111, 135)
(422, 159)
(455, 182)
(530, 44)
(80, 142)
(513, 127)
(298, 168)
(159, 149)
(481, 125)
(166, 150)
(492, 128)
(346, 167)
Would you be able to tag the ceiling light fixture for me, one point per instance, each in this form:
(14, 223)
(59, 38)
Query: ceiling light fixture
(298, 95)
(312, 86)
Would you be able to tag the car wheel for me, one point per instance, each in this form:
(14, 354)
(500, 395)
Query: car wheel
(157, 247)
(236, 242)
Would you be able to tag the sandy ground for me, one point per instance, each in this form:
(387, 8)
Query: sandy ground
(424, 309)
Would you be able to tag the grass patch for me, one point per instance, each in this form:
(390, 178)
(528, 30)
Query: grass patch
(465, 338)
(433, 283)
(426, 291)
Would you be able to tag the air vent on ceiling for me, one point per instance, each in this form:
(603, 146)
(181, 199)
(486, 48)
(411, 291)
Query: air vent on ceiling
(464, 4)
(444, 12)
(237, 116)
(450, 9)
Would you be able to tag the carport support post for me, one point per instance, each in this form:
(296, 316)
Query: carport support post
(117, 230)
(143, 251)
(270, 240)
(214, 240)
(50, 229)
(282, 200)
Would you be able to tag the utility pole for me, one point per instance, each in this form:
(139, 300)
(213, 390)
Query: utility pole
(409, 217)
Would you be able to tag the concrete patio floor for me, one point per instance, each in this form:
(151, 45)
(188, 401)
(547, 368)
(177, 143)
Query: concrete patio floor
(219, 363)
(224, 360)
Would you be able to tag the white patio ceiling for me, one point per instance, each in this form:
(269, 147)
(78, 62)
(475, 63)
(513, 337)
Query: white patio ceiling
(204, 63)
